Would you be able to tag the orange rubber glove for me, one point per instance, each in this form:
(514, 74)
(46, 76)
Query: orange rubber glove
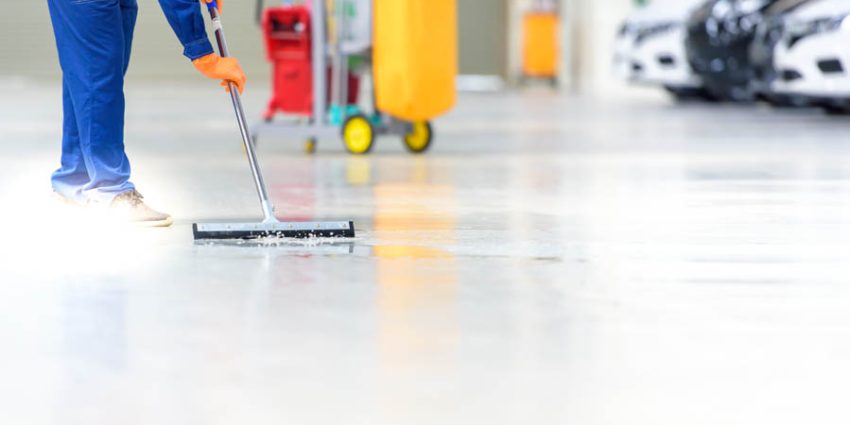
(219, 68)
(218, 3)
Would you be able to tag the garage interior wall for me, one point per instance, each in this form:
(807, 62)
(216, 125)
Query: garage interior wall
(483, 37)
(29, 48)
(588, 33)
(157, 54)
(489, 41)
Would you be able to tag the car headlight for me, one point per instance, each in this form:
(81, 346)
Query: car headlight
(747, 7)
(735, 18)
(725, 9)
(722, 9)
(649, 31)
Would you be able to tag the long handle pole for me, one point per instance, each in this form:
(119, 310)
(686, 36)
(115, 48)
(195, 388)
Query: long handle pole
(262, 192)
(319, 58)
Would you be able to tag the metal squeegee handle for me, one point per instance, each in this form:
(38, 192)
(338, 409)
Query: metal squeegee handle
(262, 191)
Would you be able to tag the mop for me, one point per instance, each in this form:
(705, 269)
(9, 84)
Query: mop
(270, 227)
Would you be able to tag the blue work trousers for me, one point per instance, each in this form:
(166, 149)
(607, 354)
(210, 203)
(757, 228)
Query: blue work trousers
(94, 38)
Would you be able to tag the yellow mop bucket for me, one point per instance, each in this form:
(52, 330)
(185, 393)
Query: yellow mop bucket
(415, 57)
(540, 50)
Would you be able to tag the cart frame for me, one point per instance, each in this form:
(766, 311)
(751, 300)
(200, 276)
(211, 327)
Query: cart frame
(319, 126)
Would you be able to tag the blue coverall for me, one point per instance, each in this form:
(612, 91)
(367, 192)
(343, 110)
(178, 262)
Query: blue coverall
(94, 39)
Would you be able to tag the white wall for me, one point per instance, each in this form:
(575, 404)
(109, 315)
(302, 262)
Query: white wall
(595, 24)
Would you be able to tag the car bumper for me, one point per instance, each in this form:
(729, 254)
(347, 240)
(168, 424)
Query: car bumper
(659, 60)
(817, 66)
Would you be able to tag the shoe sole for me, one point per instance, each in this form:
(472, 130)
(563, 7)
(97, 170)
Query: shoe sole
(66, 201)
(159, 223)
(168, 222)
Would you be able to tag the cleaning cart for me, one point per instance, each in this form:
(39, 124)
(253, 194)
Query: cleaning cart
(320, 54)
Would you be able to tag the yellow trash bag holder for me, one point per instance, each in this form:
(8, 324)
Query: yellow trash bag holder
(415, 57)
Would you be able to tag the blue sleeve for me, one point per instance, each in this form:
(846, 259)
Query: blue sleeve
(188, 23)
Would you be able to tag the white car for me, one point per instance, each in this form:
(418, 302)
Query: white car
(813, 58)
(651, 47)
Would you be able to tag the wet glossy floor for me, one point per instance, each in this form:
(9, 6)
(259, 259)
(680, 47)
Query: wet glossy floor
(553, 260)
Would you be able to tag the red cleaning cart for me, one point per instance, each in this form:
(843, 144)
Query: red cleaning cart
(288, 36)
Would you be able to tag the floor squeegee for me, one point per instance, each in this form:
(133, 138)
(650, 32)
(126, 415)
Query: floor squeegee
(270, 227)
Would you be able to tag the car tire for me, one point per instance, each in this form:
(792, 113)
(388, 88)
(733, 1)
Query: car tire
(690, 94)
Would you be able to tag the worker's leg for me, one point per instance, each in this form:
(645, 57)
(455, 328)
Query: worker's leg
(90, 36)
(129, 12)
(72, 175)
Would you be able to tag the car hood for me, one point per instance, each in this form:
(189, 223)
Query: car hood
(783, 7)
(819, 9)
(664, 11)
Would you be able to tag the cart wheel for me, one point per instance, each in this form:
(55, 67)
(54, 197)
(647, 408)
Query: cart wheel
(358, 134)
(420, 137)
(310, 146)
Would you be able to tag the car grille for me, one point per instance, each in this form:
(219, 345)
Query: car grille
(790, 75)
(831, 66)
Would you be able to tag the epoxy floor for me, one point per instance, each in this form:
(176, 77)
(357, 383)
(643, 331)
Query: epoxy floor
(553, 260)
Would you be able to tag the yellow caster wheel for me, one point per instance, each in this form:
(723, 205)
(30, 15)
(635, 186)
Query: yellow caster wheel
(310, 146)
(358, 134)
(419, 138)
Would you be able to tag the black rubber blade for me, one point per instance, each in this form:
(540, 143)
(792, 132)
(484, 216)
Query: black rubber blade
(297, 230)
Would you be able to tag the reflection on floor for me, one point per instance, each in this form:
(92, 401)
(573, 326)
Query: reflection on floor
(553, 260)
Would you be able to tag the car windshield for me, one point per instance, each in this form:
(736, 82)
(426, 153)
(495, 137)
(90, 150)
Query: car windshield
(746, 7)
(783, 6)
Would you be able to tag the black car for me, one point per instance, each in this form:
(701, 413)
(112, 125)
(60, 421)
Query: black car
(720, 34)
(768, 34)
